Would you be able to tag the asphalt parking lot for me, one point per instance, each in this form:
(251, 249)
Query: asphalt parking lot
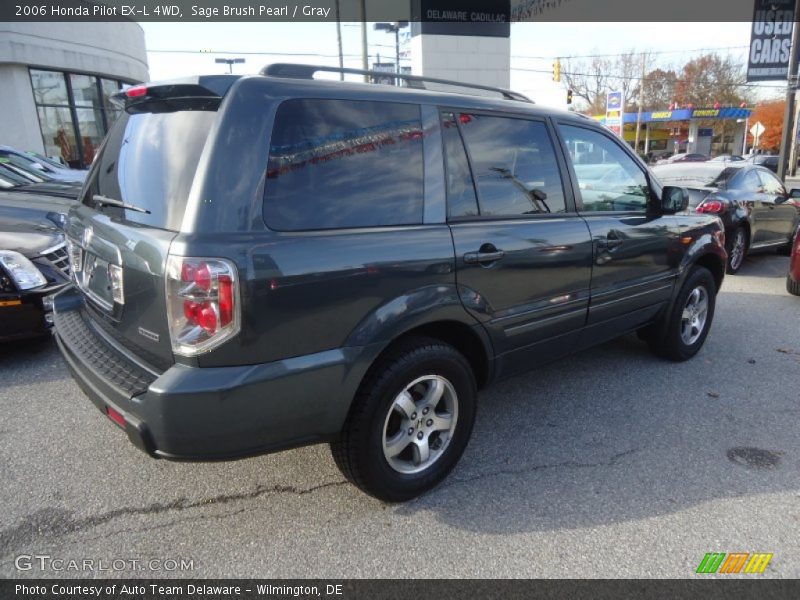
(612, 463)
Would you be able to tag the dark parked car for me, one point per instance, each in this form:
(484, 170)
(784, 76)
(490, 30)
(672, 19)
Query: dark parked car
(13, 178)
(757, 211)
(793, 278)
(768, 161)
(349, 263)
(33, 267)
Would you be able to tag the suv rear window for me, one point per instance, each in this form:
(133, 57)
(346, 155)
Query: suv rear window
(342, 163)
(149, 160)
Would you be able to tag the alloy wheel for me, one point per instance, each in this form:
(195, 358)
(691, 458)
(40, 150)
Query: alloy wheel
(420, 424)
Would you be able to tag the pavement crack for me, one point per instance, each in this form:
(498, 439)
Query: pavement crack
(569, 464)
(55, 522)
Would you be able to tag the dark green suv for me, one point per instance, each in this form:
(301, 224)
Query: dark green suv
(275, 260)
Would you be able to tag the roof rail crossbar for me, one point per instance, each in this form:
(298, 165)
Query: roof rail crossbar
(299, 71)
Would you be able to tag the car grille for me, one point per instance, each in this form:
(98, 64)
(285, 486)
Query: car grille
(59, 258)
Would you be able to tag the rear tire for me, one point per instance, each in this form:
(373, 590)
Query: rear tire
(793, 287)
(410, 421)
(689, 319)
(737, 248)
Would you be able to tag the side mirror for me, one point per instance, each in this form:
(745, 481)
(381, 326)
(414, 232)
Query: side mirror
(795, 193)
(674, 199)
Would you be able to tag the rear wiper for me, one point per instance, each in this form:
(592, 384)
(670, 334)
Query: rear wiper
(100, 199)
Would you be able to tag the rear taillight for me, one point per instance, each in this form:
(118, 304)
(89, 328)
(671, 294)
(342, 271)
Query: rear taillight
(711, 207)
(202, 303)
(136, 91)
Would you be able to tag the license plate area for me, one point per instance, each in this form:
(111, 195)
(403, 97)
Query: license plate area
(95, 281)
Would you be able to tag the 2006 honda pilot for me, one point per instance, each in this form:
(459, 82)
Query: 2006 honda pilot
(275, 260)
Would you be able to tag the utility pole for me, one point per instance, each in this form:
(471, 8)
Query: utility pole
(641, 101)
(793, 146)
(364, 57)
(791, 86)
(339, 39)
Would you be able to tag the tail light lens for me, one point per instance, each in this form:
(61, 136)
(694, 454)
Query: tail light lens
(714, 207)
(202, 303)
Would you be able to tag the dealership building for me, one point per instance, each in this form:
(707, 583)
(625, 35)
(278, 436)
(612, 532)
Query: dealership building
(55, 83)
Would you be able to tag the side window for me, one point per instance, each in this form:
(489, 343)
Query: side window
(514, 165)
(747, 182)
(341, 163)
(608, 179)
(461, 199)
(772, 184)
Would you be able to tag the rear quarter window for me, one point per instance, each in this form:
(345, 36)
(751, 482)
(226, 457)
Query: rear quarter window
(342, 163)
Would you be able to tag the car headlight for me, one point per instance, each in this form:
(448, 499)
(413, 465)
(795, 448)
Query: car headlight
(22, 271)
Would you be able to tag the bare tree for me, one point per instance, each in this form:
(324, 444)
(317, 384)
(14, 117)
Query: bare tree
(592, 78)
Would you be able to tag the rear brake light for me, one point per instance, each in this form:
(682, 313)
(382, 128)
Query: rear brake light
(202, 303)
(137, 91)
(711, 206)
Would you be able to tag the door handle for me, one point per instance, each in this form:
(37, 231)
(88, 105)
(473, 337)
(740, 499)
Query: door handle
(485, 255)
(609, 242)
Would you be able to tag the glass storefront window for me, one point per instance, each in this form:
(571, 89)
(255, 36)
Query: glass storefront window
(58, 133)
(84, 90)
(110, 87)
(90, 123)
(49, 87)
(75, 113)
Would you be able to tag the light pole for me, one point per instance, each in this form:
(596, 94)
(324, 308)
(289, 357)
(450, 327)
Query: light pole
(229, 61)
(394, 28)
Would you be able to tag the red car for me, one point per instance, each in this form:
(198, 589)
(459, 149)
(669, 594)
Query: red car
(793, 278)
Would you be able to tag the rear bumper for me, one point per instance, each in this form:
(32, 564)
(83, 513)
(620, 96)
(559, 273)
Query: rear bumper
(211, 413)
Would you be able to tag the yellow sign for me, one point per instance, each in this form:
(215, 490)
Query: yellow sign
(664, 114)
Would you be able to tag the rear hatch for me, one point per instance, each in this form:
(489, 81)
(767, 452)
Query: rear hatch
(132, 207)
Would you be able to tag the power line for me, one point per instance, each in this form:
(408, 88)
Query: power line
(254, 53)
(653, 52)
(638, 78)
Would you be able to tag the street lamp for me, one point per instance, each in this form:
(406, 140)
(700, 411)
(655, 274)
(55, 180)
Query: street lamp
(229, 61)
(394, 28)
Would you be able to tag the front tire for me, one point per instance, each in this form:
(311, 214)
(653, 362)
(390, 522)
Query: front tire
(737, 248)
(689, 320)
(410, 421)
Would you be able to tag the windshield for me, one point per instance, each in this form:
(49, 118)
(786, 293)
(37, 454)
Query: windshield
(23, 172)
(12, 177)
(149, 161)
(45, 161)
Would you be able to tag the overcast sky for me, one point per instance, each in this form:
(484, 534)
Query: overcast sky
(262, 43)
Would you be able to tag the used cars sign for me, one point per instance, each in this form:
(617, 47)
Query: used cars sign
(771, 40)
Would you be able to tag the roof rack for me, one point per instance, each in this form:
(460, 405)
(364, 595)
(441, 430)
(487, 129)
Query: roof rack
(293, 71)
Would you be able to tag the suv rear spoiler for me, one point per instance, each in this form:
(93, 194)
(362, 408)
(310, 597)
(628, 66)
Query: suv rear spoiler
(198, 93)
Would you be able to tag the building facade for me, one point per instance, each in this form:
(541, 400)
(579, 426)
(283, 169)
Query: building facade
(55, 83)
